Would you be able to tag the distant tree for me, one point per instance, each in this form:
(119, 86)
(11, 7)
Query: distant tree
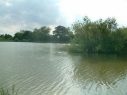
(7, 36)
(41, 34)
(18, 35)
(44, 33)
(27, 35)
(62, 34)
(2, 38)
(23, 35)
(36, 35)
(60, 31)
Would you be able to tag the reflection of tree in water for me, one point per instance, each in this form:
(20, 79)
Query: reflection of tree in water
(101, 69)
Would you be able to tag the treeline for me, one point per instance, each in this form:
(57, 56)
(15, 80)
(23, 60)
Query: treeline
(61, 34)
(101, 36)
(6, 37)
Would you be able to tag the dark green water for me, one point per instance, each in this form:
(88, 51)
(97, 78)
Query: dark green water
(43, 69)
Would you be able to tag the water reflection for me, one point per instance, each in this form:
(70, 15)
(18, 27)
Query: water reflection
(100, 72)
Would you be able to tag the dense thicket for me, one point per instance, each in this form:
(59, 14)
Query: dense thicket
(103, 36)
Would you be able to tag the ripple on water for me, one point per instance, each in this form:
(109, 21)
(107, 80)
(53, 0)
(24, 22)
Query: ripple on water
(42, 69)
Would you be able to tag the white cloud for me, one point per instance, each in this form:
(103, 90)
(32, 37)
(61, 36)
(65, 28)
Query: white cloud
(95, 9)
(11, 29)
(30, 14)
(8, 4)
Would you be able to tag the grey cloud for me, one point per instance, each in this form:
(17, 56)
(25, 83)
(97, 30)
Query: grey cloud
(29, 12)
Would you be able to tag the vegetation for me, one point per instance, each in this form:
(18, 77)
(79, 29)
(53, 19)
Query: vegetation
(61, 34)
(13, 91)
(101, 36)
(5, 37)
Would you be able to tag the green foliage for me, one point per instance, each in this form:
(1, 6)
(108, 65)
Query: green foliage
(60, 31)
(23, 36)
(13, 91)
(41, 34)
(38, 35)
(5, 37)
(98, 36)
(62, 34)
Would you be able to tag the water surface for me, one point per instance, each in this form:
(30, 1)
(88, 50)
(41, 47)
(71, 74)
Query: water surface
(43, 69)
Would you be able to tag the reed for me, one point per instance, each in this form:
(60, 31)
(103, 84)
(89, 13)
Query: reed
(13, 91)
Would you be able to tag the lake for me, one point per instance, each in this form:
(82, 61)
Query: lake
(44, 69)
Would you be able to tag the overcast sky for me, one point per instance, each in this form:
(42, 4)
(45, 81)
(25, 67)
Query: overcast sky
(16, 15)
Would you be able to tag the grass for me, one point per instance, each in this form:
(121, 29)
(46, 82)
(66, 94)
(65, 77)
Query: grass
(13, 91)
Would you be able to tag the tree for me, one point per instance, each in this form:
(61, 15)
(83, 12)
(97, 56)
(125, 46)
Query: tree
(60, 31)
(18, 36)
(44, 33)
(98, 36)
(23, 35)
(2, 38)
(36, 35)
(7, 36)
(41, 34)
(62, 34)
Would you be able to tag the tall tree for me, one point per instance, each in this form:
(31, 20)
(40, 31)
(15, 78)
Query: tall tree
(60, 31)
(41, 34)
(62, 34)
(98, 36)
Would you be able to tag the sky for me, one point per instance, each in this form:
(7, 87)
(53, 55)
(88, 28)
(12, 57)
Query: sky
(16, 15)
